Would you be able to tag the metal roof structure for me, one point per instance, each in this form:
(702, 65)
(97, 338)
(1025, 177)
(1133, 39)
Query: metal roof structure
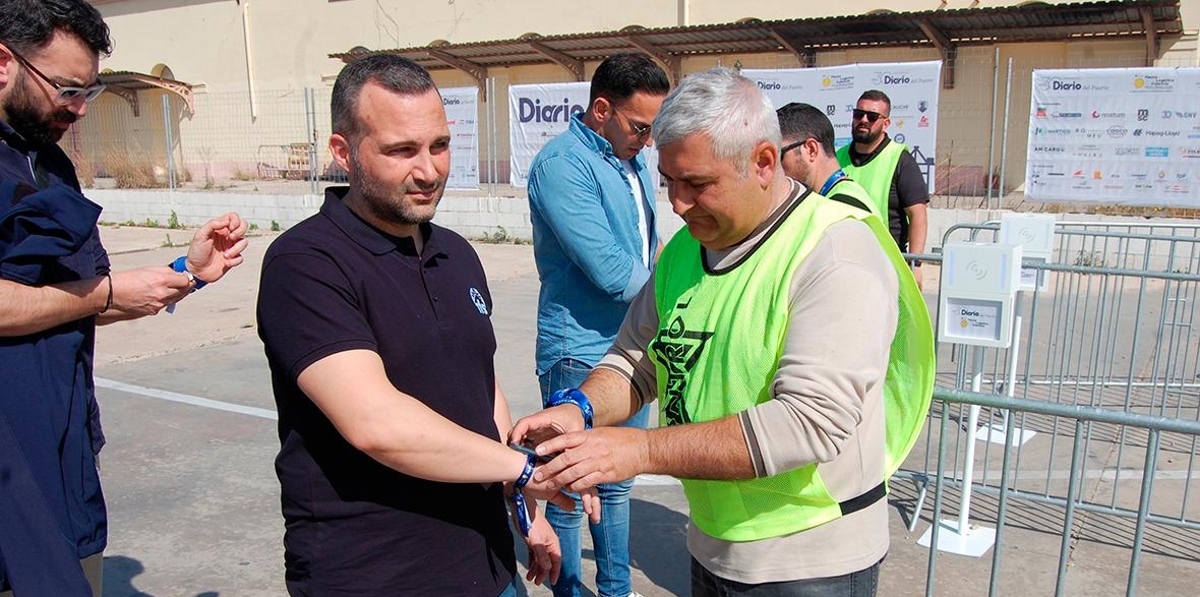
(125, 84)
(945, 30)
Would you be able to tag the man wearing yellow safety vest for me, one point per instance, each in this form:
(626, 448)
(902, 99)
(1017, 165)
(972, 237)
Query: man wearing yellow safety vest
(790, 351)
(808, 156)
(889, 173)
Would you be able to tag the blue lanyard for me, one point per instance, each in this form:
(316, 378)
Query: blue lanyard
(833, 179)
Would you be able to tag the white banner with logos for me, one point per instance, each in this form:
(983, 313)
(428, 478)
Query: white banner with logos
(462, 115)
(913, 88)
(539, 113)
(1116, 135)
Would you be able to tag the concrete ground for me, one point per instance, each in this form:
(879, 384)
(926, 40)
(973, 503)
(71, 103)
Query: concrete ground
(194, 503)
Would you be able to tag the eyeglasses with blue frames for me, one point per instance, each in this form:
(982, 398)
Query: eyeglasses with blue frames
(64, 95)
(641, 130)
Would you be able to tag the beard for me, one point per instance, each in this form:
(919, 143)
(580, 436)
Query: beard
(389, 204)
(865, 137)
(21, 113)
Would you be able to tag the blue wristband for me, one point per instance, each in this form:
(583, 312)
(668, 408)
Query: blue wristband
(521, 511)
(526, 473)
(576, 397)
(180, 265)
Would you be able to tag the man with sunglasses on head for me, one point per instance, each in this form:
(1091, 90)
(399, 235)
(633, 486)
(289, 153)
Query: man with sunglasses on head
(56, 285)
(888, 172)
(591, 203)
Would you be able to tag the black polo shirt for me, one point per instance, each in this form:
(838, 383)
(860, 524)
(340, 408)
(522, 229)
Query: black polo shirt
(353, 526)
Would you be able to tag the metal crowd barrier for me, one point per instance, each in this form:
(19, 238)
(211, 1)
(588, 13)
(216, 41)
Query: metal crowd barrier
(1104, 376)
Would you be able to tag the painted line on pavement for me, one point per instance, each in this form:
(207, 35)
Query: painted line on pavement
(186, 399)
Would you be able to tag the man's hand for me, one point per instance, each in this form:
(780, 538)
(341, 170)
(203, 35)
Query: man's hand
(147, 290)
(545, 424)
(545, 554)
(589, 458)
(217, 247)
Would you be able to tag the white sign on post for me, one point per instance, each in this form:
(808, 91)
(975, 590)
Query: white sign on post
(979, 282)
(462, 116)
(1115, 135)
(913, 88)
(1035, 234)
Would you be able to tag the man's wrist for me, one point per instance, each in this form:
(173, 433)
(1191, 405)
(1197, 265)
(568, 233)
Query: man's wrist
(576, 397)
(180, 266)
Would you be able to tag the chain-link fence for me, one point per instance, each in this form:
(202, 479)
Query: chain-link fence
(261, 142)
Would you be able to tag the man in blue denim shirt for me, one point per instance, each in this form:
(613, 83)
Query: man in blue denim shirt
(594, 239)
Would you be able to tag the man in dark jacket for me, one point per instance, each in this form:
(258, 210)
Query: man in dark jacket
(55, 287)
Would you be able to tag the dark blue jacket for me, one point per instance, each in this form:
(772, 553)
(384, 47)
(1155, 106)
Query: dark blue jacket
(51, 508)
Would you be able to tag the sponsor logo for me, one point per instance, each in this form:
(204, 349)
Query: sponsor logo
(830, 109)
(1127, 151)
(1153, 84)
(769, 86)
(1061, 131)
(1143, 114)
(1166, 114)
(1157, 152)
(1162, 174)
(1070, 115)
(1189, 153)
(1157, 133)
(1117, 131)
(532, 110)
(1193, 136)
(898, 123)
(1142, 186)
(1056, 85)
(899, 108)
(838, 82)
(1186, 115)
(891, 79)
(1114, 187)
(1099, 114)
(922, 106)
(1097, 175)
(1139, 175)
(1077, 174)
(923, 123)
(451, 101)
(901, 138)
(1179, 189)
(1087, 151)
(1049, 149)
(1040, 112)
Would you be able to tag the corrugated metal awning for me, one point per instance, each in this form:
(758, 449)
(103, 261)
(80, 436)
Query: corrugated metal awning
(945, 30)
(126, 84)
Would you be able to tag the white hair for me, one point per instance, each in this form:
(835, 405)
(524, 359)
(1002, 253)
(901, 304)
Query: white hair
(724, 106)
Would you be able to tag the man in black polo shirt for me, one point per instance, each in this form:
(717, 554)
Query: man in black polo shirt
(56, 285)
(377, 327)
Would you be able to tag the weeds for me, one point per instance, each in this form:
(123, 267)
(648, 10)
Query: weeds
(173, 221)
(130, 172)
(501, 237)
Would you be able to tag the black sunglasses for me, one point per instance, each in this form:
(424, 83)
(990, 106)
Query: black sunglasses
(871, 116)
(790, 146)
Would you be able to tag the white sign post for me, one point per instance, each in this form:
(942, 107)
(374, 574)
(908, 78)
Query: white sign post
(978, 289)
(462, 116)
(1120, 136)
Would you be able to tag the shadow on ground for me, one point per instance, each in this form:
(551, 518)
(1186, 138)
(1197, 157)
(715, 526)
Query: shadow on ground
(119, 572)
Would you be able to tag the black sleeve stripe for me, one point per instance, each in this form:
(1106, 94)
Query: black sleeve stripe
(848, 200)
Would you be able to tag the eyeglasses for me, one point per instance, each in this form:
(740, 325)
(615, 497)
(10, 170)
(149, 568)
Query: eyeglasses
(871, 116)
(65, 94)
(790, 146)
(641, 131)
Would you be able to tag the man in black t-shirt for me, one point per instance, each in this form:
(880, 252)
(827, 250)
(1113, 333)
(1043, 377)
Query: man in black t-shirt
(888, 172)
(377, 327)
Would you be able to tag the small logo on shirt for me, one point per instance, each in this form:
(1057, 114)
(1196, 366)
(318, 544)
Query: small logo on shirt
(479, 302)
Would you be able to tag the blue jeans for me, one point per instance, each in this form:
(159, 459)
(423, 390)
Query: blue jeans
(863, 583)
(610, 537)
(511, 589)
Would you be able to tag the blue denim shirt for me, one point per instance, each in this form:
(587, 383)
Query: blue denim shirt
(586, 243)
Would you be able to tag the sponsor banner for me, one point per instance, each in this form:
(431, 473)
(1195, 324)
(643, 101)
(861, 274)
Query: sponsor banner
(912, 86)
(462, 115)
(539, 113)
(1119, 135)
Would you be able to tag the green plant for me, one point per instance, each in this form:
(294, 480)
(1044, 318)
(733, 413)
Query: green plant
(275, 227)
(173, 221)
(170, 243)
(253, 226)
(151, 223)
(129, 223)
(106, 223)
